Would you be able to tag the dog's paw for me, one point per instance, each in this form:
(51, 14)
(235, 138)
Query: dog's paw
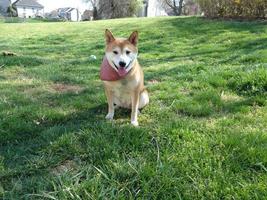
(135, 123)
(110, 116)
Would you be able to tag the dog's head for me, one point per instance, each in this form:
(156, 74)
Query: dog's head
(121, 53)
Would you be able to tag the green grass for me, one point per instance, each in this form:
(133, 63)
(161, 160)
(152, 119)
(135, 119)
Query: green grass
(203, 136)
(22, 20)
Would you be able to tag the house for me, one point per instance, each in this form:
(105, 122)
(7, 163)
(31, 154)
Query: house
(53, 15)
(70, 14)
(152, 8)
(28, 8)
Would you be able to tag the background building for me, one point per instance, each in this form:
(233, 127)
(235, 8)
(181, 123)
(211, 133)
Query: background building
(28, 8)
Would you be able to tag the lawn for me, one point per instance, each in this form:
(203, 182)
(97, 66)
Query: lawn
(203, 135)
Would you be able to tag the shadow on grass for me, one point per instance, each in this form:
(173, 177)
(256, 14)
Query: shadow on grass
(24, 61)
(2, 78)
(208, 27)
(185, 31)
(23, 140)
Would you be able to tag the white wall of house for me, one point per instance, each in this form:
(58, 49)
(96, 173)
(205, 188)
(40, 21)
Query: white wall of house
(75, 15)
(155, 9)
(29, 12)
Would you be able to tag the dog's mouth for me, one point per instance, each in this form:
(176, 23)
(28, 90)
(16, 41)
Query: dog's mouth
(122, 71)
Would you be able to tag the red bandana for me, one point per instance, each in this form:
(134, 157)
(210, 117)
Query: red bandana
(107, 73)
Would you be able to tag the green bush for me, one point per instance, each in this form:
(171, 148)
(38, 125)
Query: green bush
(234, 8)
(13, 20)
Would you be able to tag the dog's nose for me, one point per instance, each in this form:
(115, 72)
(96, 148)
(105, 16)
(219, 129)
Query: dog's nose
(122, 64)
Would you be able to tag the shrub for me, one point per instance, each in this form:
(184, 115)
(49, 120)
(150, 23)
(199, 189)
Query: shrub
(234, 8)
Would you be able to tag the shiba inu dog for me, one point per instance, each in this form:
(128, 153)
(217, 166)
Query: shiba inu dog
(122, 76)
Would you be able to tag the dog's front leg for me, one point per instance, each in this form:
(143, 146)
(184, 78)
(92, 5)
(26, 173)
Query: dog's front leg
(135, 104)
(111, 108)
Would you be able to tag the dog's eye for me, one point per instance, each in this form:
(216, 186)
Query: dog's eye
(115, 52)
(128, 52)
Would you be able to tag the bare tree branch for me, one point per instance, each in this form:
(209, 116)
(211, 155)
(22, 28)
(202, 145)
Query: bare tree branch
(175, 5)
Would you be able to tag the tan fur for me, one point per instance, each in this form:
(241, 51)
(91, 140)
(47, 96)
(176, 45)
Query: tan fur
(128, 92)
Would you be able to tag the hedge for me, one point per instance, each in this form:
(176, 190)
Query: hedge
(234, 8)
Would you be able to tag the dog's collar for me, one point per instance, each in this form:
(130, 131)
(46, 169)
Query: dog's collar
(107, 73)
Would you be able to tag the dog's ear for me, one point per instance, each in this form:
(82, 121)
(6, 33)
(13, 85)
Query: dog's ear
(109, 36)
(133, 38)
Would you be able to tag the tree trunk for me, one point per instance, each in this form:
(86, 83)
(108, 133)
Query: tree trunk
(95, 13)
(177, 9)
(180, 7)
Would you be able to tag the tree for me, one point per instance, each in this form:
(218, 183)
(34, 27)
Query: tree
(191, 7)
(94, 4)
(175, 5)
(11, 10)
(114, 8)
(121, 8)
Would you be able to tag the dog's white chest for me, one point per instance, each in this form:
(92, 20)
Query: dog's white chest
(122, 91)
(122, 94)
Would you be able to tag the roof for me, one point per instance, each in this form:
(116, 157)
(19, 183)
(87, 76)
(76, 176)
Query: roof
(65, 10)
(29, 3)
